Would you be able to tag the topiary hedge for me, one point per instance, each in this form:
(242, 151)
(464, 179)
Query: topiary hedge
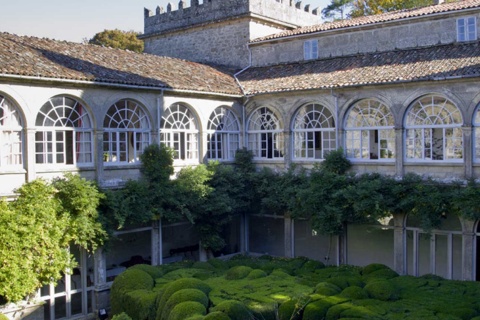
(238, 272)
(180, 296)
(127, 281)
(382, 290)
(327, 289)
(154, 271)
(290, 310)
(256, 274)
(235, 310)
(216, 315)
(185, 310)
(354, 293)
(121, 316)
(316, 310)
(140, 304)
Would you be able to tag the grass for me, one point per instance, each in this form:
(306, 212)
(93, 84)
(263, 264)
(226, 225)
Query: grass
(268, 288)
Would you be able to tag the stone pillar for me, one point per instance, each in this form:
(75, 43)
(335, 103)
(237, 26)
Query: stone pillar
(342, 248)
(468, 249)
(399, 156)
(157, 257)
(29, 158)
(101, 288)
(467, 151)
(288, 236)
(288, 149)
(99, 157)
(399, 244)
(246, 234)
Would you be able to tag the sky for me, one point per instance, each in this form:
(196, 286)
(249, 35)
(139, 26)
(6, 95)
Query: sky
(75, 20)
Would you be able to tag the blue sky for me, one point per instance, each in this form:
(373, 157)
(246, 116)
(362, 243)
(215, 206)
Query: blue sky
(74, 20)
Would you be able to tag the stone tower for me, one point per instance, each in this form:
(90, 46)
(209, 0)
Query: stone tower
(217, 31)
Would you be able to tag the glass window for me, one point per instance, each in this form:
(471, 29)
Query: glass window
(11, 135)
(310, 49)
(179, 131)
(433, 130)
(313, 132)
(265, 136)
(64, 133)
(223, 135)
(127, 132)
(369, 131)
(467, 29)
(476, 132)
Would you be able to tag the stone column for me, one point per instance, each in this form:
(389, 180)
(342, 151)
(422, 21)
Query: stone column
(288, 149)
(99, 157)
(399, 244)
(101, 288)
(29, 158)
(399, 155)
(288, 236)
(468, 249)
(157, 258)
(467, 151)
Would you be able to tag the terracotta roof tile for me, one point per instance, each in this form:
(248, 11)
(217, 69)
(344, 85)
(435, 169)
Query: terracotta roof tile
(366, 20)
(422, 64)
(44, 58)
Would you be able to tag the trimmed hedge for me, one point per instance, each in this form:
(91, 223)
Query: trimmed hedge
(154, 271)
(127, 281)
(180, 296)
(382, 290)
(256, 274)
(354, 293)
(186, 310)
(140, 304)
(373, 267)
(316, 310)
(238, 272)
(327, 289)
(121, 316)
(290, 310)
(233, 309)
(216, 315)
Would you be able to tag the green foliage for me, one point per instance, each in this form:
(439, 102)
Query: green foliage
(336, 7)
(178, 297)
(373, 267)
(316, 310)
(154, 271)
(121, 316)
(372, 7)
(383, 274)
(216, 315)
(383, 290)
(354, 292)
(256, 273)
(37, 228)
(129, 280)
(126, 40)
(336, 162)
(234, 309)
(140, 304)
(186, 309)
(327, 289)
(238, 272)
(290, 310)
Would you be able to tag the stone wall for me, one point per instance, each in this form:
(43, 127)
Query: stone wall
(426, 31)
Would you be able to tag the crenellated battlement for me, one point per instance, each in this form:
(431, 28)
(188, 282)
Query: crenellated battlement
(287, 12)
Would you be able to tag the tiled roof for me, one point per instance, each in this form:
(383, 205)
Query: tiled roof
(44, 58)
(366, 20)
(423, 64)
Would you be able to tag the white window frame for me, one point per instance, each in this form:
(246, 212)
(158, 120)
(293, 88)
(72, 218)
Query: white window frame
(313, 132)
(476, 135)
(310, 49)
(369, 132)
(179, 131)
(63, 130)
(223, 135)
(126, 133)
(265, 135)
(433, 131)
(467, 29)
(11, 135)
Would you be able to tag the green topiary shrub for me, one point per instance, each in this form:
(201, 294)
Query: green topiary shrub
(218, 264)
(373, 267)
(382, 274)
(290, 310)
(121, 316)
(216, 315)
(140, 304)
(335, 312)
(179, 284)
(180, 296)
(203, 265)
(382, 290)
(256, 273)
(327, 289)
(186, 310)
(238, 272)
(354, 293)
(154, 271)
(234, 309)
(312, 265)
(129, 280)
(316, 310)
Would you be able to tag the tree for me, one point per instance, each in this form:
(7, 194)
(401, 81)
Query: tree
(371, 7)
(37, 228)
(336, 7)
(119, 39)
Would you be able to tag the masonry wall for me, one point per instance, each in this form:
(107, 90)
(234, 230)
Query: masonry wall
(375, 38)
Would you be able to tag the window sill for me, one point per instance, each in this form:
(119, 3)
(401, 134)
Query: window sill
(12, 170)
(121, 165)
(436, 163)
(40, 168)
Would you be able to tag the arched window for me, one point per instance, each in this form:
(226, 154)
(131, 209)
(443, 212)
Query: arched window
(179, 131)
(223, 134)
(369, 131)
(127, 132)
(265, 136)
(433, 130)
(10, 134)
(64, 133)
(313, 131)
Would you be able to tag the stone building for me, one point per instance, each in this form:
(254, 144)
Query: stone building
(398, 92)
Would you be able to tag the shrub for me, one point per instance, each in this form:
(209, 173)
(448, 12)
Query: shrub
(174, 286)
(312, 265)
(354, 293)
(121, 316)
(216, 315)
(290, 310)
(316, 310)
(140, 304)
(187, 309)
(129, 280)
(327, 289)
(256, 273)
(238, 272)
(154, 271)
(373, 267)
(180, 296)
(234, 309)
(381, 290)
(202, 265)
(340, 282)
(335, 312)
(382, 274)
(218, 263)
